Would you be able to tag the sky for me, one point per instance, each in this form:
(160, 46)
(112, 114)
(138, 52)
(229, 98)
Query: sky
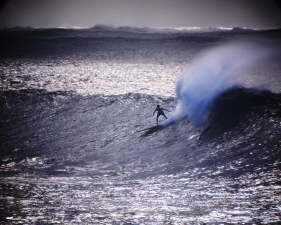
(259, 14)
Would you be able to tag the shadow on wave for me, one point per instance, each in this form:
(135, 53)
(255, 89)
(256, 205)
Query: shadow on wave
(242, 132)
(238, 108)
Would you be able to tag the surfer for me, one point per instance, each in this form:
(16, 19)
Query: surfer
(160, 112)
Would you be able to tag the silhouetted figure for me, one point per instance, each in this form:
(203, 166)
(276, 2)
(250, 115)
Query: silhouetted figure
(160, 112)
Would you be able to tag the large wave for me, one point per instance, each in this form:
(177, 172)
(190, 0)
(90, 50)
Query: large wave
(55, 128)
(212, 73)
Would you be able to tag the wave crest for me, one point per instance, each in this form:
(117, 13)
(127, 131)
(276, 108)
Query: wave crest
(212, 73)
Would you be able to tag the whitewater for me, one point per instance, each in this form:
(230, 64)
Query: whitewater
(79, 144)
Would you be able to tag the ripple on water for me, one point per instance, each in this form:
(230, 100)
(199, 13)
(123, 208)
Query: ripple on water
(162, 199)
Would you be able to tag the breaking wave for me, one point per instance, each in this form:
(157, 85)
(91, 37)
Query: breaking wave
(111, 129)
(212, 73)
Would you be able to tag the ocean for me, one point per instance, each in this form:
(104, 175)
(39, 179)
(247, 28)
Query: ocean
(79, 143)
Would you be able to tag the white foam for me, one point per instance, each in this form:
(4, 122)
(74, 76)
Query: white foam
(213, 72)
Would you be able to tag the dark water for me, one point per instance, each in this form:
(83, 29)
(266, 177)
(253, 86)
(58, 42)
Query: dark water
(72, 158)
(68, 158)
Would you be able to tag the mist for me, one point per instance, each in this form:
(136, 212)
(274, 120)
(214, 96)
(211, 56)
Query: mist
(210, 74)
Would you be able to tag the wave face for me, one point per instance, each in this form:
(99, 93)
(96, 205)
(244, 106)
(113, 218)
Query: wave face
(105, 143)
(113, 129)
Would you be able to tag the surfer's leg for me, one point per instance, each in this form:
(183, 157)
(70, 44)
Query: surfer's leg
(163, 114)
(157, 118)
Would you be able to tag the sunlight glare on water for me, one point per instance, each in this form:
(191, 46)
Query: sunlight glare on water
(179, 198)
(79, 143)
(97, 77)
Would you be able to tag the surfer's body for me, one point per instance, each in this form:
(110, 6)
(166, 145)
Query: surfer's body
(160, 112)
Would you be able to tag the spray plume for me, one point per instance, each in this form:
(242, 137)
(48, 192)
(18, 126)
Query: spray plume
(212, 73)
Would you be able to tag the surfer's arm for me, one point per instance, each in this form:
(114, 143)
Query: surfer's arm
(154, 111)
(166, 110)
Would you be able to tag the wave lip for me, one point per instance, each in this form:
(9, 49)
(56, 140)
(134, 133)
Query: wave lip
(212, 73)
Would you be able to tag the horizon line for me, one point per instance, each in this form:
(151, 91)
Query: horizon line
(180, 28)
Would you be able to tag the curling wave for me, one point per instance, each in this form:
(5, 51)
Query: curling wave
(58, 128)
(212, 73)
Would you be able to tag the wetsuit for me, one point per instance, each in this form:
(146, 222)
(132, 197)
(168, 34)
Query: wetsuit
(160, 112)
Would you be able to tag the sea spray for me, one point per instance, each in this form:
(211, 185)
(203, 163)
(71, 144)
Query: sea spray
(212, 73)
